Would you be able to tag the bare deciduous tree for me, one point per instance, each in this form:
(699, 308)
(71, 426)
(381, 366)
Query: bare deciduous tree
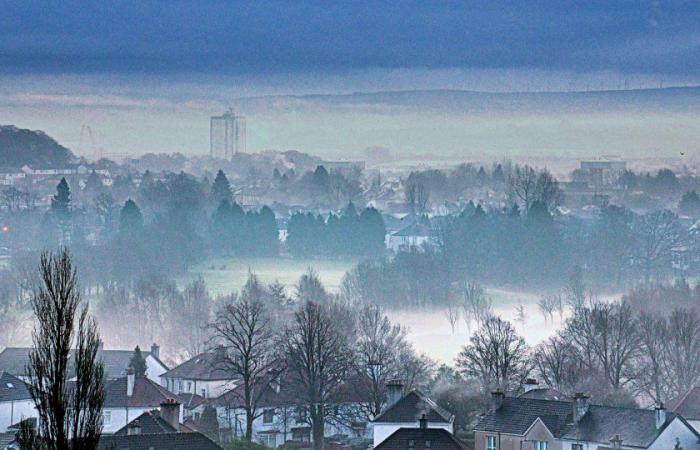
(69, 418)
(683, 351)
(319, 360)
(417, 196)
(605, 335)
(657, 233)
(650, 377)
(241, 330)
(497, 356)
(557, 364)
(522, 186)
(452, 314)
(378, 345)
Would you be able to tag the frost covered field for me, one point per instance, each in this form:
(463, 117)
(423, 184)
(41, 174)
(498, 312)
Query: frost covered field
(429, 330)
(224, 275)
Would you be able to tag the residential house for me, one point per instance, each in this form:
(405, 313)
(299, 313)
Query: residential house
(128, 397)
(421, 438)
(203, 375)
(15, 401)
(282, 418)
(515, 423)
(417, 234)
(688, 406)
(14, 360)
(407, 412)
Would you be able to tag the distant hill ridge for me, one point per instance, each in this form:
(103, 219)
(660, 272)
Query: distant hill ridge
(19, 147)
(660, 99)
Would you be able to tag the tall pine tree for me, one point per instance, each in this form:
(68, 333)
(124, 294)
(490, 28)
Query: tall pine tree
(221, 189)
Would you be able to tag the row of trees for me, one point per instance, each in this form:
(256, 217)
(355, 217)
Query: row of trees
(606, 349)
(348, 235)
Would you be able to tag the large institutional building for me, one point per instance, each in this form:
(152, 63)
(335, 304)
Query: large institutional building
(227, 135)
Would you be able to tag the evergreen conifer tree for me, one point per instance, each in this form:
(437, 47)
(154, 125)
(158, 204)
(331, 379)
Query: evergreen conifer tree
(138, 363)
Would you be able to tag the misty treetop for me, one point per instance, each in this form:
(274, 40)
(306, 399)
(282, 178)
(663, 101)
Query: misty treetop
(344, 235)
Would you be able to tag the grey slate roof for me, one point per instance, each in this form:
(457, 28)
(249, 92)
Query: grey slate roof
(411, 407)
(14, 360)
(147, 394)
(12, 388)
(150, 423)
(205, 366)
(637, 427)
(421, 439)
(158, 441)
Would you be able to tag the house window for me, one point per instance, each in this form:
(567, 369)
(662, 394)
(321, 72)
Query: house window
(490, 442)
(540, 445)
(268, 415)
(189, 386)
(179, 386)
(576, 446)
(107, 418)
(204, 393)
(268, 440)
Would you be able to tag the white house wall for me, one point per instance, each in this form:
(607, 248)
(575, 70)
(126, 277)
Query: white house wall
(13, 412)
(155, 369)
(676, 429)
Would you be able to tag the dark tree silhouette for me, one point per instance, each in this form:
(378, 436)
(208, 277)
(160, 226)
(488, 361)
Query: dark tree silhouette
(70, 416)
(138, 363)
(130, 218)
(221, 189)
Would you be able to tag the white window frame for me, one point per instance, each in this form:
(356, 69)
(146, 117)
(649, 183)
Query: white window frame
(106, 417)
(491, 443)
(540, 445)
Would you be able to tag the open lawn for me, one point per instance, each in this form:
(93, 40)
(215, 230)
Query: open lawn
(223, 275)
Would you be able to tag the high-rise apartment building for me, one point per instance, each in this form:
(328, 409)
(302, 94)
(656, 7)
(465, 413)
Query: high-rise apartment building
(227, 135)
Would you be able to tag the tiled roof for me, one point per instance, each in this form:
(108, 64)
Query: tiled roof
(14, 360)
(146, 394)
(158, 441)
(637, 427)
(544, 394)
(205, 366)
(421, 439)
(150, 422)
(12, 388)
(411, 407)
(687, 405)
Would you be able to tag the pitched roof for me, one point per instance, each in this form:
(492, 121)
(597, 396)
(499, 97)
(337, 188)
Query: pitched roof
(421, 439)
(544, 394)
(637, 427)
(150, 422)
(146, 394)
(411, 407)
(158, 441)
(12, 388)
(687, 405)
(205, 366)
(191, 401)
(14, 360)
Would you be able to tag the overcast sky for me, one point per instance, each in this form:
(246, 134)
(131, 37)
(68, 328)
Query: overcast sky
(228, 37)
(146, 75)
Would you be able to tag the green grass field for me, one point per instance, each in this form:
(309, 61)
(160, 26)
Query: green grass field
(224, 275)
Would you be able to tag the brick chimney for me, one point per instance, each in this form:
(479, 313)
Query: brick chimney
(581, 402)
(423, 422)
(155, 350)
(130, 381)
(497, 398)
(660, 416)
(394, 392)
(170, 412)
